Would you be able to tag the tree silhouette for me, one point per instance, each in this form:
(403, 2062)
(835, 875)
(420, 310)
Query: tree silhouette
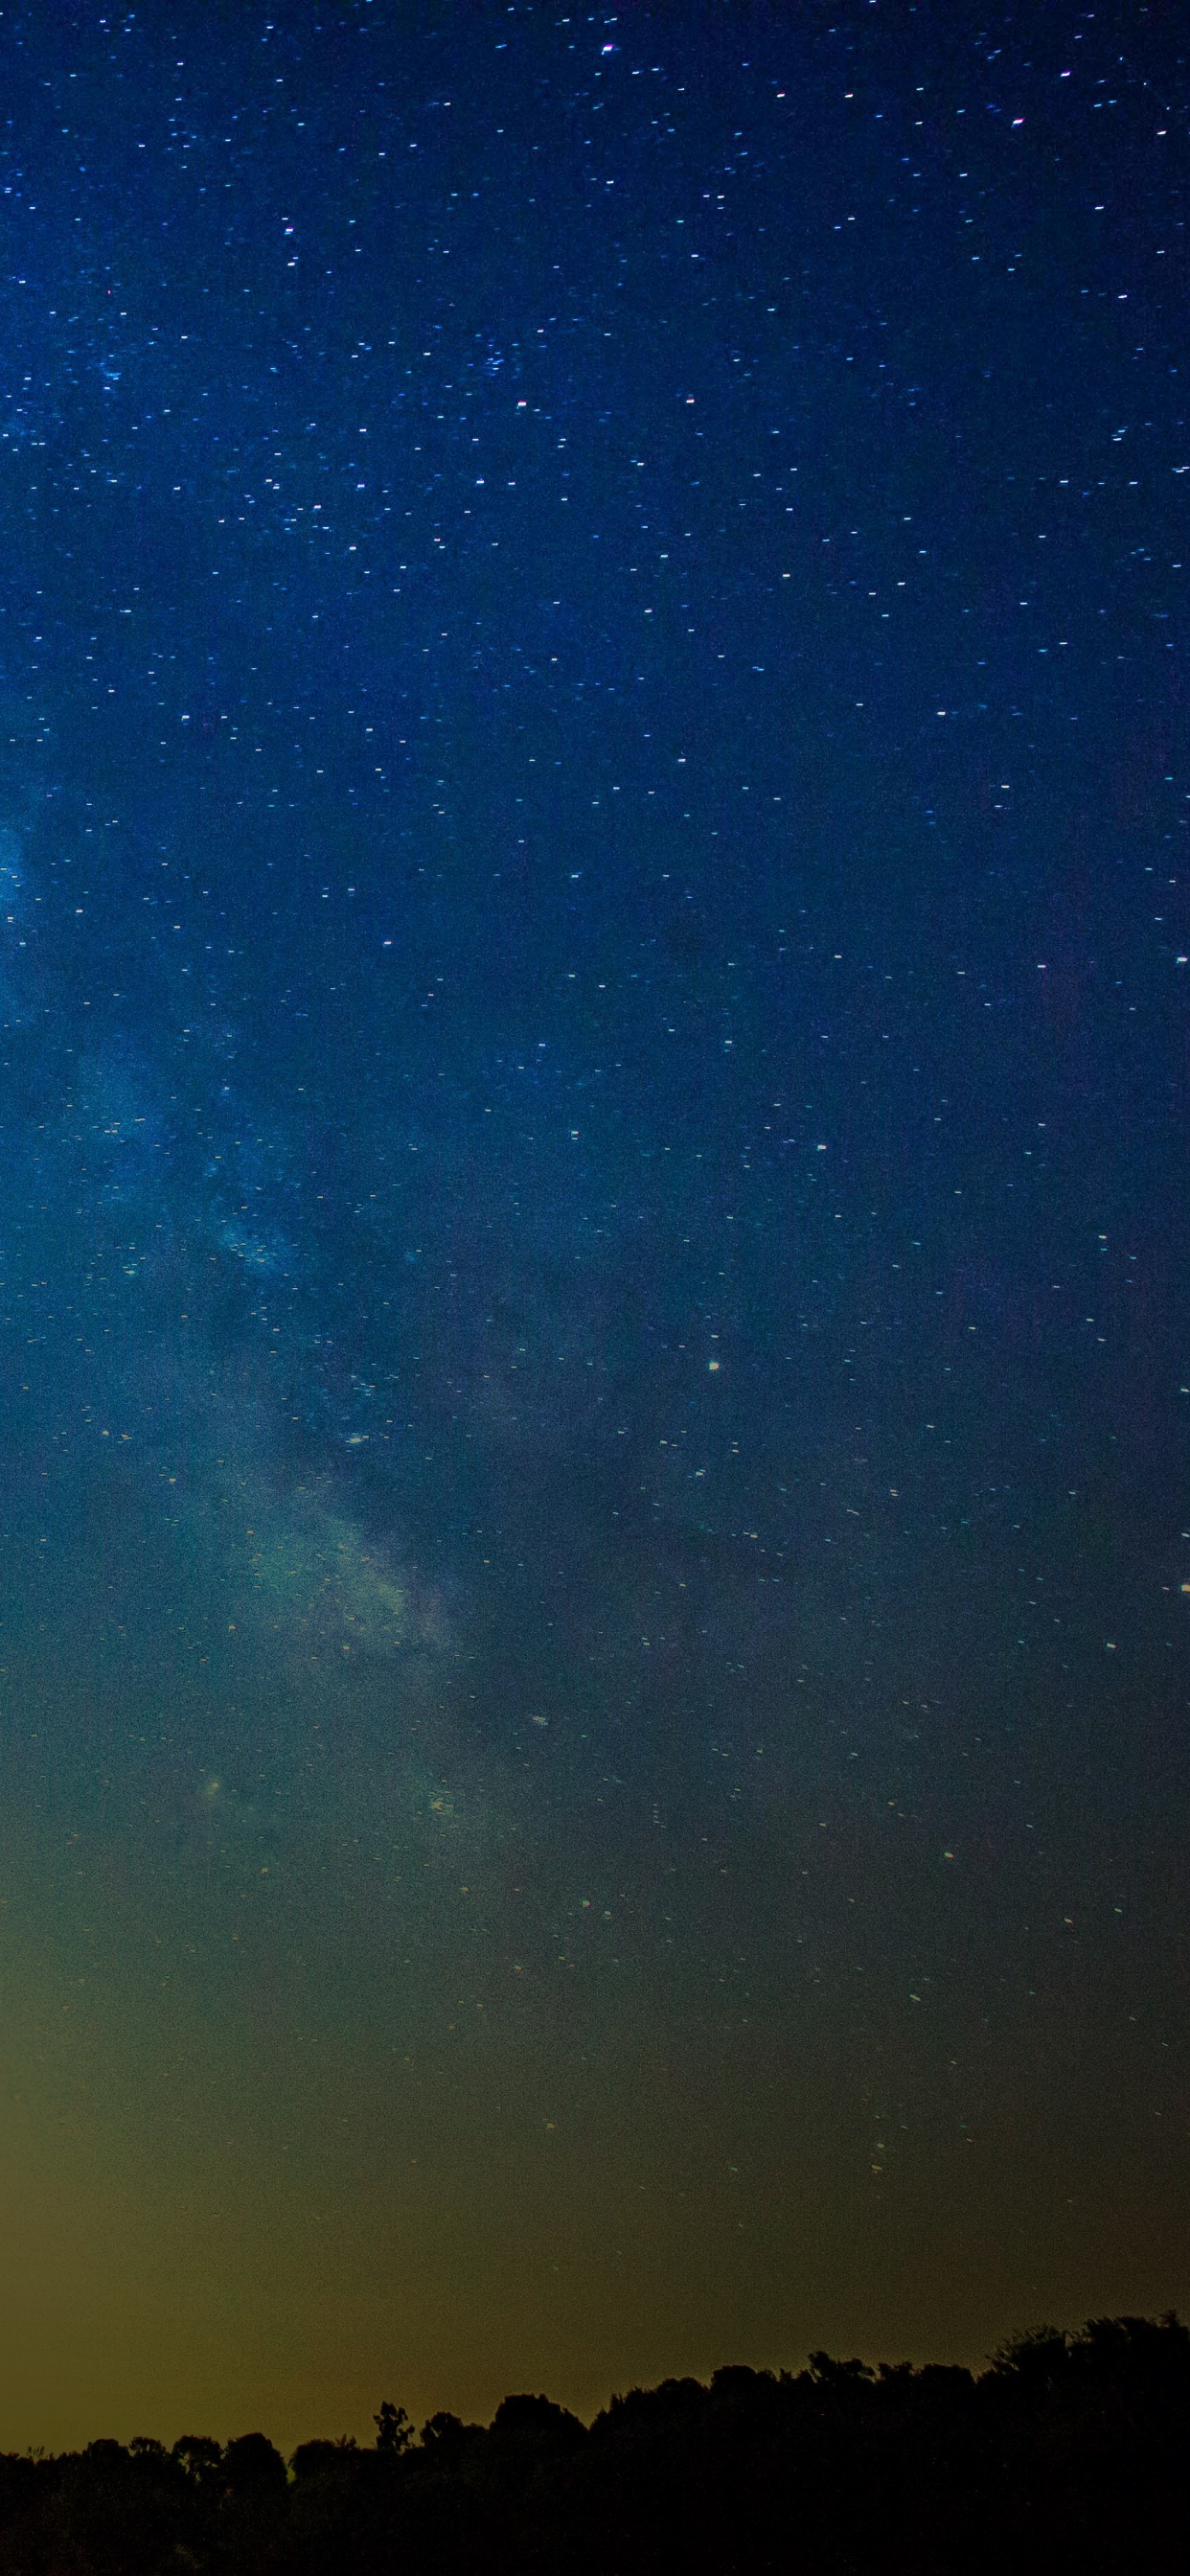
(1069, 2455)
(394, 2432)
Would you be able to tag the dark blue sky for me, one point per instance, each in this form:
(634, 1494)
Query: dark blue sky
(593, 796)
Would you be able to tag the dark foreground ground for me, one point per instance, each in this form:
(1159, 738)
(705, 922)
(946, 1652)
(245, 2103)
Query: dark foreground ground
(1069, 2453)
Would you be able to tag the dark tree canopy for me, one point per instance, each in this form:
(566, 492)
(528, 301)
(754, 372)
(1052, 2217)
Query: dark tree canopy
(1068, 2454)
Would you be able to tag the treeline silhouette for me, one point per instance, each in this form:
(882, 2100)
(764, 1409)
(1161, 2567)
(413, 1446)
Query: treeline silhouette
(1069, 2452)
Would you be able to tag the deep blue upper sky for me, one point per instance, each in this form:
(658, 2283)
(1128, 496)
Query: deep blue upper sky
(593, 793)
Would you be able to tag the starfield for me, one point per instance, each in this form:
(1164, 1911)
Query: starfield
(594, 1337)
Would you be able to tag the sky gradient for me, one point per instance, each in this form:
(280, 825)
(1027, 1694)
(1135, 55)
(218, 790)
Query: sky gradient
(593, 810)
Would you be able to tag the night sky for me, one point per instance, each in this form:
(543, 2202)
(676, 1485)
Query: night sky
(593, 1196)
